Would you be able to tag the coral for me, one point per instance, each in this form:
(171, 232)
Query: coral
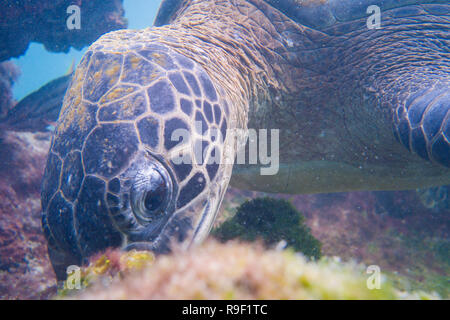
(272, 220)
(8, 74)
(22, 22)
(244, 271)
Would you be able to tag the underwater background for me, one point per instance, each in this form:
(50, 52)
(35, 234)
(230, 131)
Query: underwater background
(404, 233)
(40, 66)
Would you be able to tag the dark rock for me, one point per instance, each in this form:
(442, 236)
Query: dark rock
(22, 22)
(8, 74)
(40, 109)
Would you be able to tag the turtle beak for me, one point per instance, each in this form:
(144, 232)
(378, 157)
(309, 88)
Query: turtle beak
(206, 219)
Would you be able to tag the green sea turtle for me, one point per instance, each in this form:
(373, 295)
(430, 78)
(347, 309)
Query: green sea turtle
(357, 108)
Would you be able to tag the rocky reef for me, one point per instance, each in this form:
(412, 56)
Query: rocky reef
(22, 22)
(232, 271)
(269, 263)
(394, 230)
(25, 271)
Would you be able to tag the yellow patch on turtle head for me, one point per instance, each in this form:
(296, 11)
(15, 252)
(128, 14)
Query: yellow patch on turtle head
(74, 92)
(112, 72)
(97, 76)
(159, 59)
(76, 115)
(116, 93)
(128, 105)
(135, 62)
(154, 75)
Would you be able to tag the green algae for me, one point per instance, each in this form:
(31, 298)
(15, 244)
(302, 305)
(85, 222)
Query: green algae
(272, 220)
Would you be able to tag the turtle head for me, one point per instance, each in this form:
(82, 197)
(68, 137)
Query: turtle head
(174, 182)
(137, 159)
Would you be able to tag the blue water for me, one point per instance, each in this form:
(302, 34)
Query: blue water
(140, 14)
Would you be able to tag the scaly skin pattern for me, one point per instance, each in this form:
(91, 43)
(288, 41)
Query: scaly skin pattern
(334, 90)
(345, 110)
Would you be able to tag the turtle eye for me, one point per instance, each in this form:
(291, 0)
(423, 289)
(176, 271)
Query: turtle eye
(154, 199)
(150, 194)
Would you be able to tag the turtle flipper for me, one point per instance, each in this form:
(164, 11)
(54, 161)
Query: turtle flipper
(39, 109)
(422, 124)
